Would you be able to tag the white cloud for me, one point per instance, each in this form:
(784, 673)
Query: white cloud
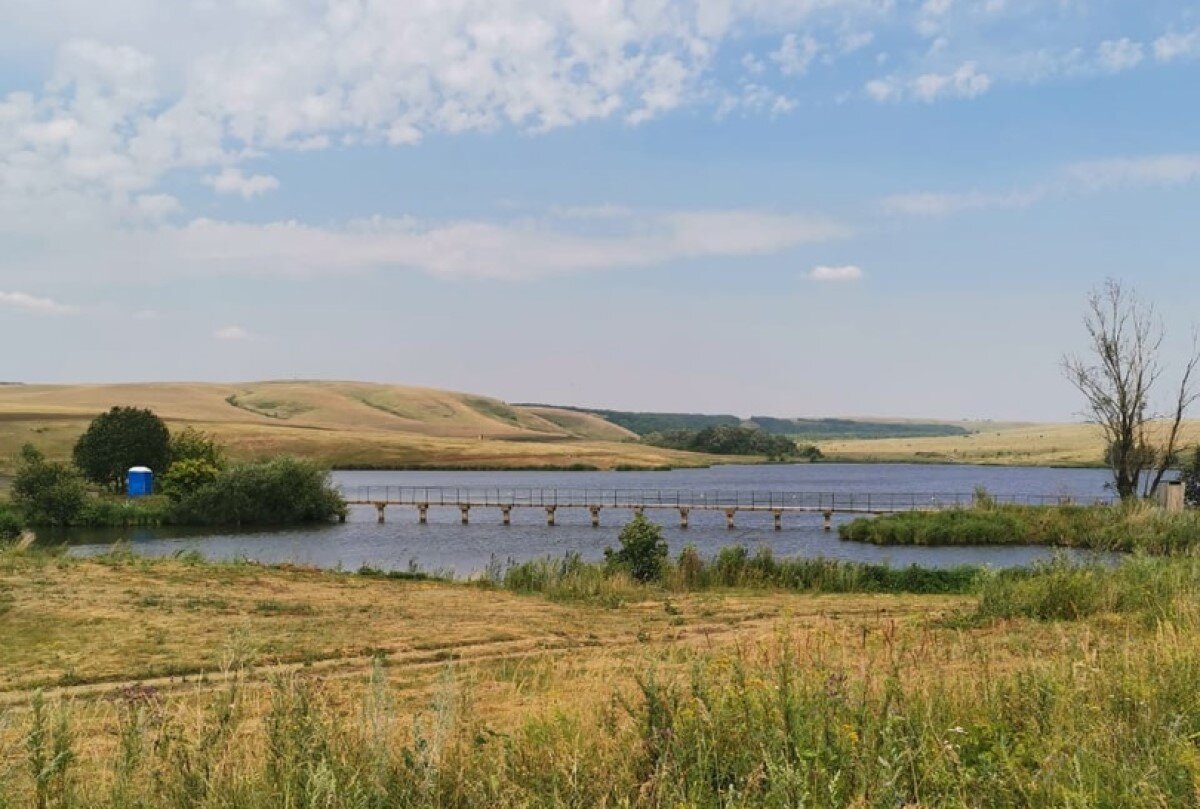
(1174, 45)
(562, 242)
(1119, 55)
(965, 82)
(232, 181)
(32, 303)
(232, 333)
(516, 250)
(795, 54)
(842, 274)
(1146, 170)
(944, 204)
(1164, 170)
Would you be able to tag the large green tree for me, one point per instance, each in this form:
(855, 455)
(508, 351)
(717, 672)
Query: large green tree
(119, 439)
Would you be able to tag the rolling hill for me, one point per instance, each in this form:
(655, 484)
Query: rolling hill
(344, 424)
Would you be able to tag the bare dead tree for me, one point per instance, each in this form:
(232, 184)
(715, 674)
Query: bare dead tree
(1118, 381)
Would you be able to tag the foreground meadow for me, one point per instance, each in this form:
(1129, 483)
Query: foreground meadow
(126, 682)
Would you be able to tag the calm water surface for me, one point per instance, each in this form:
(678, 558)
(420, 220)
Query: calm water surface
(444, 544)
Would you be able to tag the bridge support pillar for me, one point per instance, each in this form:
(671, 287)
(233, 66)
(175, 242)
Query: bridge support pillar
(683, 517)
(550, 515)
(778, 519)
(729, 512)
(639, 511)
(828, 520)
(466, 514)
(595, 515)
(506, 514)
(423, 513)
(379, 509)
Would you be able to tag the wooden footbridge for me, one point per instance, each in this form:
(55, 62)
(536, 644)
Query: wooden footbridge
(682, 501)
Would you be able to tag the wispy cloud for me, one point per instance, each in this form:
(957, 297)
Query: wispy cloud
(1146, 170)
(935, 204)
(232, 333)
(841, 274)
(1164, 170)
(32, 303)
(966, 81)
(232, 181)
(1177, 45)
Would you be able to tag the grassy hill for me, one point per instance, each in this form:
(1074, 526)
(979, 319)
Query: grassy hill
(343, 424)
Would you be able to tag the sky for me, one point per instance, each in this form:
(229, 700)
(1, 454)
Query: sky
(758, 207)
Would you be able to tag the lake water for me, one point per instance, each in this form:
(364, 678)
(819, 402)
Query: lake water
(444, 544)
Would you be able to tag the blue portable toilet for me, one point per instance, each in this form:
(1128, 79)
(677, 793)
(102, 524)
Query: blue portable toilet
(139, 482)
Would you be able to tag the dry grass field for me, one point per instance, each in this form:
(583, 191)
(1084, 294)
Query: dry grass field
(1001, 444)
(342, 424)
(127, 682)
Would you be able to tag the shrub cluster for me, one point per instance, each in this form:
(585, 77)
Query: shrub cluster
(1123, 527)
(281, 491)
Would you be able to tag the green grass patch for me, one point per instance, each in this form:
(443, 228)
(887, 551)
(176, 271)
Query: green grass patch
(1133, 527)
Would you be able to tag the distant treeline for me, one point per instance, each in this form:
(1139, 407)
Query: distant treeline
(726, 439)
(645, 424)
(844, 429)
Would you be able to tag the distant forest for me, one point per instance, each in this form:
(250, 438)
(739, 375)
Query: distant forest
(845, 429)
(801, 429)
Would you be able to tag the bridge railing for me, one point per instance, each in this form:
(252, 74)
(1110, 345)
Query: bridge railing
(685, 498)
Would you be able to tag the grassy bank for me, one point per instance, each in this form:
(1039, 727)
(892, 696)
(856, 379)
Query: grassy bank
(1135, 527)
(340, 690)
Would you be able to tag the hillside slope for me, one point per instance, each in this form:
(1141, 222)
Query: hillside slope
(338, 423)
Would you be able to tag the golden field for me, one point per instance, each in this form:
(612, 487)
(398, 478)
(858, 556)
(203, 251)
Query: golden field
(342, 424)
(1002, 444)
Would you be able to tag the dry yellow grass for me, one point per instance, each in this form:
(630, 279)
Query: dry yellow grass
(1008, 445)
(88, 626)
(338, 423)
(88, 630)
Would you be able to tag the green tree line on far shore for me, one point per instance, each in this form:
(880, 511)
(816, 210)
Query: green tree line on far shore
(730, 440)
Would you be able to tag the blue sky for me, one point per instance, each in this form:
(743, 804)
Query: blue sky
(795, 207)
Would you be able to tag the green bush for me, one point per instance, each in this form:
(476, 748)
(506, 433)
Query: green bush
(47, 493)
(643, 551)
(282, 491)
(11, 524)
(196, 445)
(104, 513)
(187, 476)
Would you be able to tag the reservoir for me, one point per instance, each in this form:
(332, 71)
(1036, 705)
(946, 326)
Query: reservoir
(447, 546)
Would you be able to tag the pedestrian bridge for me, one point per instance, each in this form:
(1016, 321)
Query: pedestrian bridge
(682, 501)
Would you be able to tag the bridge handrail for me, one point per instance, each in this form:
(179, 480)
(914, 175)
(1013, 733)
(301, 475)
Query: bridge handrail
(687, 498)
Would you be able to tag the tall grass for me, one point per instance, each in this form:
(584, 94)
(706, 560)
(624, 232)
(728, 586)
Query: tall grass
(1156, 589)
(1127, 527)
(572, 579)
(776, 725)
